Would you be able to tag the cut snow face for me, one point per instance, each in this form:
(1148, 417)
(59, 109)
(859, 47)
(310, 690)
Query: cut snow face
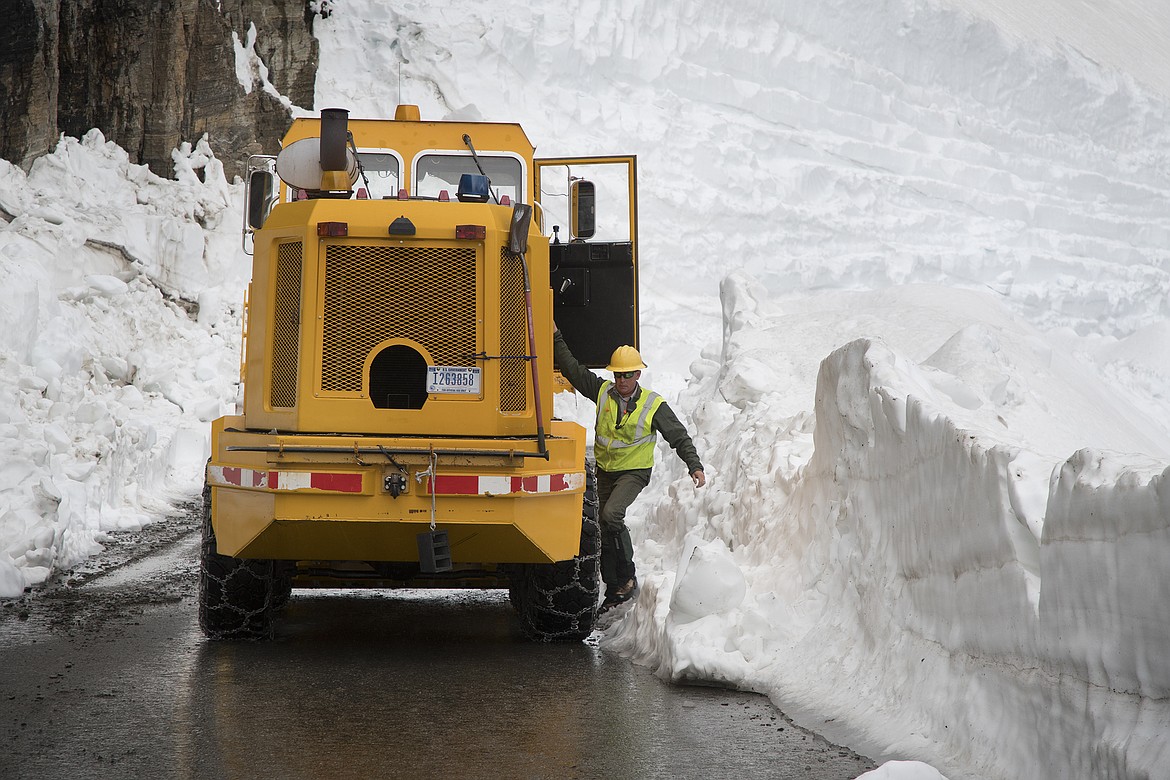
(913, 536)
(906, 277)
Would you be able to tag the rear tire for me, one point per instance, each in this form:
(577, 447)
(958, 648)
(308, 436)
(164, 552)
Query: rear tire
(237, 597)
(282, 586)
(557, 602)
(516, 587)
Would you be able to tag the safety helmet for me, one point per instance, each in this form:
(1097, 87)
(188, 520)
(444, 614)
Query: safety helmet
(625, 358)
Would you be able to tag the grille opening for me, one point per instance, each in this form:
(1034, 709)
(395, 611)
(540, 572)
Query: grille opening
(398, 379)
(376, 294)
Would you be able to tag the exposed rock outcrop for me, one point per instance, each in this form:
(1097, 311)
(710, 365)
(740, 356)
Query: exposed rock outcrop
(150, 74)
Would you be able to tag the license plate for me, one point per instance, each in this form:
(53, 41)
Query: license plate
(458, 380)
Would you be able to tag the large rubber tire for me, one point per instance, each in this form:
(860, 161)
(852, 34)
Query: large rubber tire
(282, 577)
(516, 587)
(237, 597)
(557, 602)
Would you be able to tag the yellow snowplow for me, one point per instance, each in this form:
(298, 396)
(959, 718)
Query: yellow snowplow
(396, 428)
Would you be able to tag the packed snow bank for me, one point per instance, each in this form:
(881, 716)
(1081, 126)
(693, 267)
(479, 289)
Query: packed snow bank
(119, 341)
(903, 770)
(926, 576)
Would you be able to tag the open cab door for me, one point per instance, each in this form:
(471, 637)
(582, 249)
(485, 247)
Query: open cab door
(589, 211)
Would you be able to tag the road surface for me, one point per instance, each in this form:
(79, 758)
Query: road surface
(104, 674)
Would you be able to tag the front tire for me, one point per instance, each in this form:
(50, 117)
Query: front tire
(237, 597)
(557, 602)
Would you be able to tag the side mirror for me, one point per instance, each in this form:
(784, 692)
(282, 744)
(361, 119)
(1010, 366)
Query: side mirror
(518, 233)
(261, 197)
(583, 209)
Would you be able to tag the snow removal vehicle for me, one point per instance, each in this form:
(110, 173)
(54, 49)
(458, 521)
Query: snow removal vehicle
(396, 425)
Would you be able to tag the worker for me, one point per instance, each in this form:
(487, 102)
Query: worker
(628, 419)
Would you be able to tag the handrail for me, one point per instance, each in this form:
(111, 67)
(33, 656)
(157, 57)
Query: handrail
(383, 451)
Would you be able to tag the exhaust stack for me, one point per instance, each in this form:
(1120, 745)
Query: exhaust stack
(334, 138)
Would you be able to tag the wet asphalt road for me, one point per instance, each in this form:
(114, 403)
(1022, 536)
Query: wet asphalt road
(107, 676)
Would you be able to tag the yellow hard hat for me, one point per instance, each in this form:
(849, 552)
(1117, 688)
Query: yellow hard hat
(625, 358)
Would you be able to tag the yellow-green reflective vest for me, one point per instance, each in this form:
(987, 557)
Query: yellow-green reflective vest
(630, 446)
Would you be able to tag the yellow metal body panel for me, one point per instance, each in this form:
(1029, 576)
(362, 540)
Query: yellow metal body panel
(408, 300)
(372, 525)
(306, 472)
(480, 530)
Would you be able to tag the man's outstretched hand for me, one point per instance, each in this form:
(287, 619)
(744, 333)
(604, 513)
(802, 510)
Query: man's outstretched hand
(699, 477)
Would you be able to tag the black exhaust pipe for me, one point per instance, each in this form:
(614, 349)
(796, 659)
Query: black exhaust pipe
(334, 138)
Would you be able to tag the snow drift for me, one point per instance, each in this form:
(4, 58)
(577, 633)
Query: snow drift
(110, 378)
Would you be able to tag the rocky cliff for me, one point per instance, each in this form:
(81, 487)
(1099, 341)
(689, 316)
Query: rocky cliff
(150, 74)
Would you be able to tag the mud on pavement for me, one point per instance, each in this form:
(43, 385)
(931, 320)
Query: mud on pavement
(156, 564)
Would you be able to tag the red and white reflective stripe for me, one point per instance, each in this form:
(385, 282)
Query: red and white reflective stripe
(498, 485)
(285, 480)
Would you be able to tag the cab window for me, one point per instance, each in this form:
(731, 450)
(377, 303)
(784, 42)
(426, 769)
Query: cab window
(441, 171)
(382, 173)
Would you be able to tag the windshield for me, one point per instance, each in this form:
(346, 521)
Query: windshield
(441, 171)
(382, 173)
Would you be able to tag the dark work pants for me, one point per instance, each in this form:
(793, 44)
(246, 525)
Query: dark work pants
(616, 490)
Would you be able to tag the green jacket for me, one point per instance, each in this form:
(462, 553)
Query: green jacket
(664, 422)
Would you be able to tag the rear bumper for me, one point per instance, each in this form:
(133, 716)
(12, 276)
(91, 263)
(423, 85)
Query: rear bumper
(312, 497)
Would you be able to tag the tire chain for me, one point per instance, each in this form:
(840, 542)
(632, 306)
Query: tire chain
(237, 597)
(558, 602)
(560, 599)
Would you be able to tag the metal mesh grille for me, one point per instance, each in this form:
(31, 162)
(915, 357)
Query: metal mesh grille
(513, 330)
(286, 325)
(375, 293)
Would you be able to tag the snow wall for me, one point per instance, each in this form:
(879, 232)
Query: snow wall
(915, 585)
(916, 521)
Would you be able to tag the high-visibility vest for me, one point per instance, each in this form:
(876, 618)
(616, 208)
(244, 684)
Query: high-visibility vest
(630, 446)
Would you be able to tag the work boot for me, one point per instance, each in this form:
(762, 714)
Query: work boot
(620, 595)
